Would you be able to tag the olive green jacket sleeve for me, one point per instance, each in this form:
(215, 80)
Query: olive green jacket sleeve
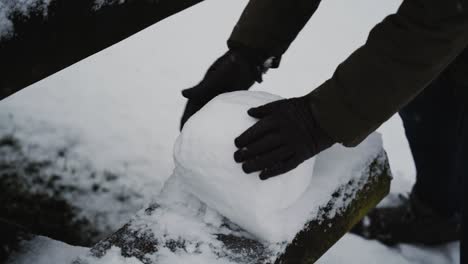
(402, 55)
(270, 26)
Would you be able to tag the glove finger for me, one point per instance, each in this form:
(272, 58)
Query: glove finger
(263, 145)
(264, 110)
(253, 133)
(267, 160)
(279, 168)
(190, 109)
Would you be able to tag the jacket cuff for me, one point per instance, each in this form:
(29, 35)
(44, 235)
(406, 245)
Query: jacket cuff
(337, 118)
(258, 56)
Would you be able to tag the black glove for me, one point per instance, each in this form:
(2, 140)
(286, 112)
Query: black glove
(286, 135)
(238, 69)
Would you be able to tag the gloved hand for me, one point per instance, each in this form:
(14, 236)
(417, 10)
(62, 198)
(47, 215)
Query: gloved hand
(238, 69)
(286, 135)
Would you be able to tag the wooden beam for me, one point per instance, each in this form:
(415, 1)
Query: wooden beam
(309, 245)
(34, 195)
(71, 31)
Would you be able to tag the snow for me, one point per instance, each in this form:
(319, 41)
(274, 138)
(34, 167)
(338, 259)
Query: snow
(204, 159)
(354, 249)
(183, 218)
(351, 249)
(102, 3)
(9, 8)
(334, 167)
(23, 7)
(43, 250)
(122, 107)
(114, 256)
(168, 257)
(179, 219)
(104, 197)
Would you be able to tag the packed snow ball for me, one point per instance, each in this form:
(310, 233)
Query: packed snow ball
(204, 160)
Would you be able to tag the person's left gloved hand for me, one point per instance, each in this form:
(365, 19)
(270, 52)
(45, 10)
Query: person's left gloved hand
(286, 135)
(238, 69)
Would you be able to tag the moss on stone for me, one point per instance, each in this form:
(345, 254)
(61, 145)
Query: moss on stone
(322, 233)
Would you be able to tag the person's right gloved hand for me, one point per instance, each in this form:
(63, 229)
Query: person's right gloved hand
(236, 70)
(287, 134)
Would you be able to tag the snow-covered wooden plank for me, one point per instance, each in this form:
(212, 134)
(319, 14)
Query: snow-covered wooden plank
(180, 229)
(321, 234)
(41, 37)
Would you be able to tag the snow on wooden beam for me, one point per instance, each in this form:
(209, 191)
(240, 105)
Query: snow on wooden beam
(44, 197)
(146, 234)
(48, 39)
(321, 234)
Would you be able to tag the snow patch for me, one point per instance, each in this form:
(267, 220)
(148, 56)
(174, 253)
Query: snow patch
(354, 249)
(43, 250)
(113, 256)
(8, 8)
(100, 3)
(107, 198)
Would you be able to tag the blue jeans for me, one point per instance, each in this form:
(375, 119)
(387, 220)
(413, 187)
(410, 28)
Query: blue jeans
(464, 173)
(433, 126)
(436, 125)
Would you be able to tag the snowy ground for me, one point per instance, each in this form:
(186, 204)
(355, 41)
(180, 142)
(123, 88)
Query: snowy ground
(121, 107)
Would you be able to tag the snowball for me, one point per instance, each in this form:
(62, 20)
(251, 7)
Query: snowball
(204, 159)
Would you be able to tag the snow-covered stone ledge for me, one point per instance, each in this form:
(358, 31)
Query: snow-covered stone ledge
(178, 228)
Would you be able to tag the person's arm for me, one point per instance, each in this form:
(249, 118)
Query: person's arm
(263, 33)
(402, 55)
(270, 26)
